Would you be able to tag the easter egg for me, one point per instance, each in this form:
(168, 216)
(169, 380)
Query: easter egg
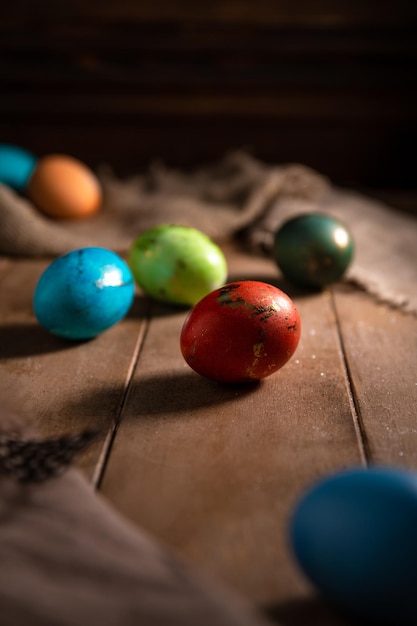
(313, 250)
(177, 264)
(354, 536)
(16, 166)
(83, 293)
(241, 332)
(65, 188)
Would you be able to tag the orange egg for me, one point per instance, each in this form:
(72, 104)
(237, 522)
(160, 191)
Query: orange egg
(65, 188)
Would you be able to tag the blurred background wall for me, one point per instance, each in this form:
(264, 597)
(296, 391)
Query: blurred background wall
(332, 85)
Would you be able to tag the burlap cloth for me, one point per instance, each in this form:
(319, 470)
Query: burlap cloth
(69, 559)
(236, 197)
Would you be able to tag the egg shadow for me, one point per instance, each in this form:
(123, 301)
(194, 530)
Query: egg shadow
(314, 610)
(167, 395)
(291, 289)
(23, 340)
(144, 306)
(276, 277)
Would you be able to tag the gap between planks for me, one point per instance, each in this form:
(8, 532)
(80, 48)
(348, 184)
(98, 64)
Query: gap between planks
(350, 389)
(111, 434)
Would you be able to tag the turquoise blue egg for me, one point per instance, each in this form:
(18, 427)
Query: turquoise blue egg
(16, 166)
(83, 293)
(355, 537)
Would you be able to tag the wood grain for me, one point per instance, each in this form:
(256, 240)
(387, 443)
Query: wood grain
(332, 85)
(381, 352)
(266, 11)
(214, 470)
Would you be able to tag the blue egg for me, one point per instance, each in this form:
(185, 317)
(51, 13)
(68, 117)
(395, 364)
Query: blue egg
(83, 293)
(16, 166)
(355, 537)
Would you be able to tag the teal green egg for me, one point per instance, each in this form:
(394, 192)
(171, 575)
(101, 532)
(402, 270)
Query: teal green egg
(313, 250)
(177, 264)
(353, 535)
(16, 166)
(83, 293)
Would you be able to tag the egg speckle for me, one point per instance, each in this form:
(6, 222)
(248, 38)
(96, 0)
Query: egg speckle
(83, 293)
(354, 536)
(241, 332)
(63, 187)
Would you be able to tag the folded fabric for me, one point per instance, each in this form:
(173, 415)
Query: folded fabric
(68, 559)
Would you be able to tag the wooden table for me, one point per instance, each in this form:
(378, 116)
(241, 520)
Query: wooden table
(215, 470)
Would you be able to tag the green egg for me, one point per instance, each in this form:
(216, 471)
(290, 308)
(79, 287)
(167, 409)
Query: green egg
(177, 264)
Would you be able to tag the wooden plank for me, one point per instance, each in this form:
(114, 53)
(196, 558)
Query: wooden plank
(218, 11)
(270, 103)
(125, 83)
(214, 470)
(157, 54)
(348, 154)
(5, 265)
(381, 351)
(55, 385)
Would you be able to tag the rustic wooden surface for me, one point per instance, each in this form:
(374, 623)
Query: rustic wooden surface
(214, 470)
(332, 85)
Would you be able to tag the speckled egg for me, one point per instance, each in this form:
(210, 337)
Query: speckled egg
(83, 293)
(16, 166)
(65, 188)
(177, 264)
(242, 332)
(313, 250)
(354, 536)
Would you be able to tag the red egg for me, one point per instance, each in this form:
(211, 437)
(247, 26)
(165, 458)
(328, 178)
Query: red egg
(241, 332)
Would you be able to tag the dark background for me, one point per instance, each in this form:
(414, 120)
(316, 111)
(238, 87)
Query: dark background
(332, 85)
